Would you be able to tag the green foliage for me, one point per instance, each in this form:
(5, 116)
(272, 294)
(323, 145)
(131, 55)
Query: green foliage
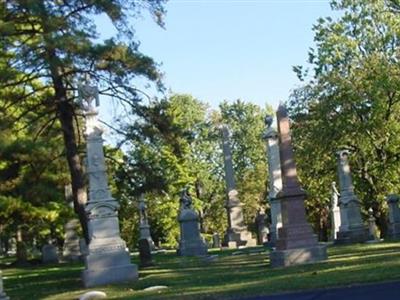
(351, 101)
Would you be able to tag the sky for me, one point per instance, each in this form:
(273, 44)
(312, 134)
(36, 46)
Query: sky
(221, 50)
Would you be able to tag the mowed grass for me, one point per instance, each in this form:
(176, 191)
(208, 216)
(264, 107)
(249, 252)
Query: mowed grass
(229, 277)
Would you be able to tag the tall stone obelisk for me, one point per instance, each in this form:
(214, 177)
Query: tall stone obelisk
(107, 260)
(296, 243)
(352, 229)
(275, 177)
(144, 226)
(237, 233)
(335, 211)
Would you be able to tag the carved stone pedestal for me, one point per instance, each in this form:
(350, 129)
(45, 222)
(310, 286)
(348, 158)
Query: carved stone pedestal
(191, 243)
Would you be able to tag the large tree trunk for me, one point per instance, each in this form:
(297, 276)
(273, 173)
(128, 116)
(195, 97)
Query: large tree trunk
(65, 112)
(79, 194)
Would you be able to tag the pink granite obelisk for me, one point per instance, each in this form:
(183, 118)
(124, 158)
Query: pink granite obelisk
(297, 243)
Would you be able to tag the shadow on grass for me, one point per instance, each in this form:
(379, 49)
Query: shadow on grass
(226, 278)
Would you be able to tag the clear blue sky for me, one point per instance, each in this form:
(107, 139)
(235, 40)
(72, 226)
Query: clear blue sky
(227, 49)
(230, 49)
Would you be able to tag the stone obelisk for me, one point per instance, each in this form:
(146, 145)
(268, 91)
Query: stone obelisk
(335, 211)
(237, 233)
(352, 229)
(107, 260)
(394, 216)
(296, 243)
(3, 295)
(275, 177)
(144, 223)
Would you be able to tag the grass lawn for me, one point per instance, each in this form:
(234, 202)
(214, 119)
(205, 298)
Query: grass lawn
(229, 277)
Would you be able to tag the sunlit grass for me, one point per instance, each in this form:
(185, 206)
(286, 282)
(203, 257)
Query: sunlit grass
(230, 276)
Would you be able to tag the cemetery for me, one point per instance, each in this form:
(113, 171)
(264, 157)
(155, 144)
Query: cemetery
(172, 199)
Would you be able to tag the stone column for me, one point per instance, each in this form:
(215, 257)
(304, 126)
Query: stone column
(352, 229)
(335, 215)
(71, 248)
(144, 223)
(262, 229)
(190, 243)
(236, 234)
(107, 260)
(3, 295)
(394, 216)
(275, 177)
(296, 243)
(372, 230)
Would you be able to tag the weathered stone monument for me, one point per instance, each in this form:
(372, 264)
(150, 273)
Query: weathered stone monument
(216, 241)
(71, 249)
(335, 211)
(372, 229)
(352, 229)
(49, 254)
(262, 229)
(3, 295)
(145, 257)
(394, 216)
(237, 233)
(144, 226)
(296, 243)
(275, 177)
(190, 243)
(107, 260)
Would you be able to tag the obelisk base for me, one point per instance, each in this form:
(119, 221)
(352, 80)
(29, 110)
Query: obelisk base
(393, 231)
(291, 257)
(354, 235)
(108, 267)
(145, 235)
(234, 239)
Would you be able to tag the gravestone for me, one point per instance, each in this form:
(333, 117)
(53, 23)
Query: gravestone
(352, 229)
(216, 241)
(71, 249)
(262, 230)
(144, 226)
(296, 243)
(145, 257)
(190, 243)
(3, 295)
(107, 260)
(372, 229)
(274, 178)
(236, 234)
(394, 216)
(335, 215)
(49, 254)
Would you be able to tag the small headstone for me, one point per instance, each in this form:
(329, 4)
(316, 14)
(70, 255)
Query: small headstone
(216, 241)
(93, 295)
(145, 253)
(394, 216)
(49, 254)
(3, 295)
(262, 229)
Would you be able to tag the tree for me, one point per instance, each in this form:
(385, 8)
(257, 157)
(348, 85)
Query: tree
(351, 101)
(55, 43)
